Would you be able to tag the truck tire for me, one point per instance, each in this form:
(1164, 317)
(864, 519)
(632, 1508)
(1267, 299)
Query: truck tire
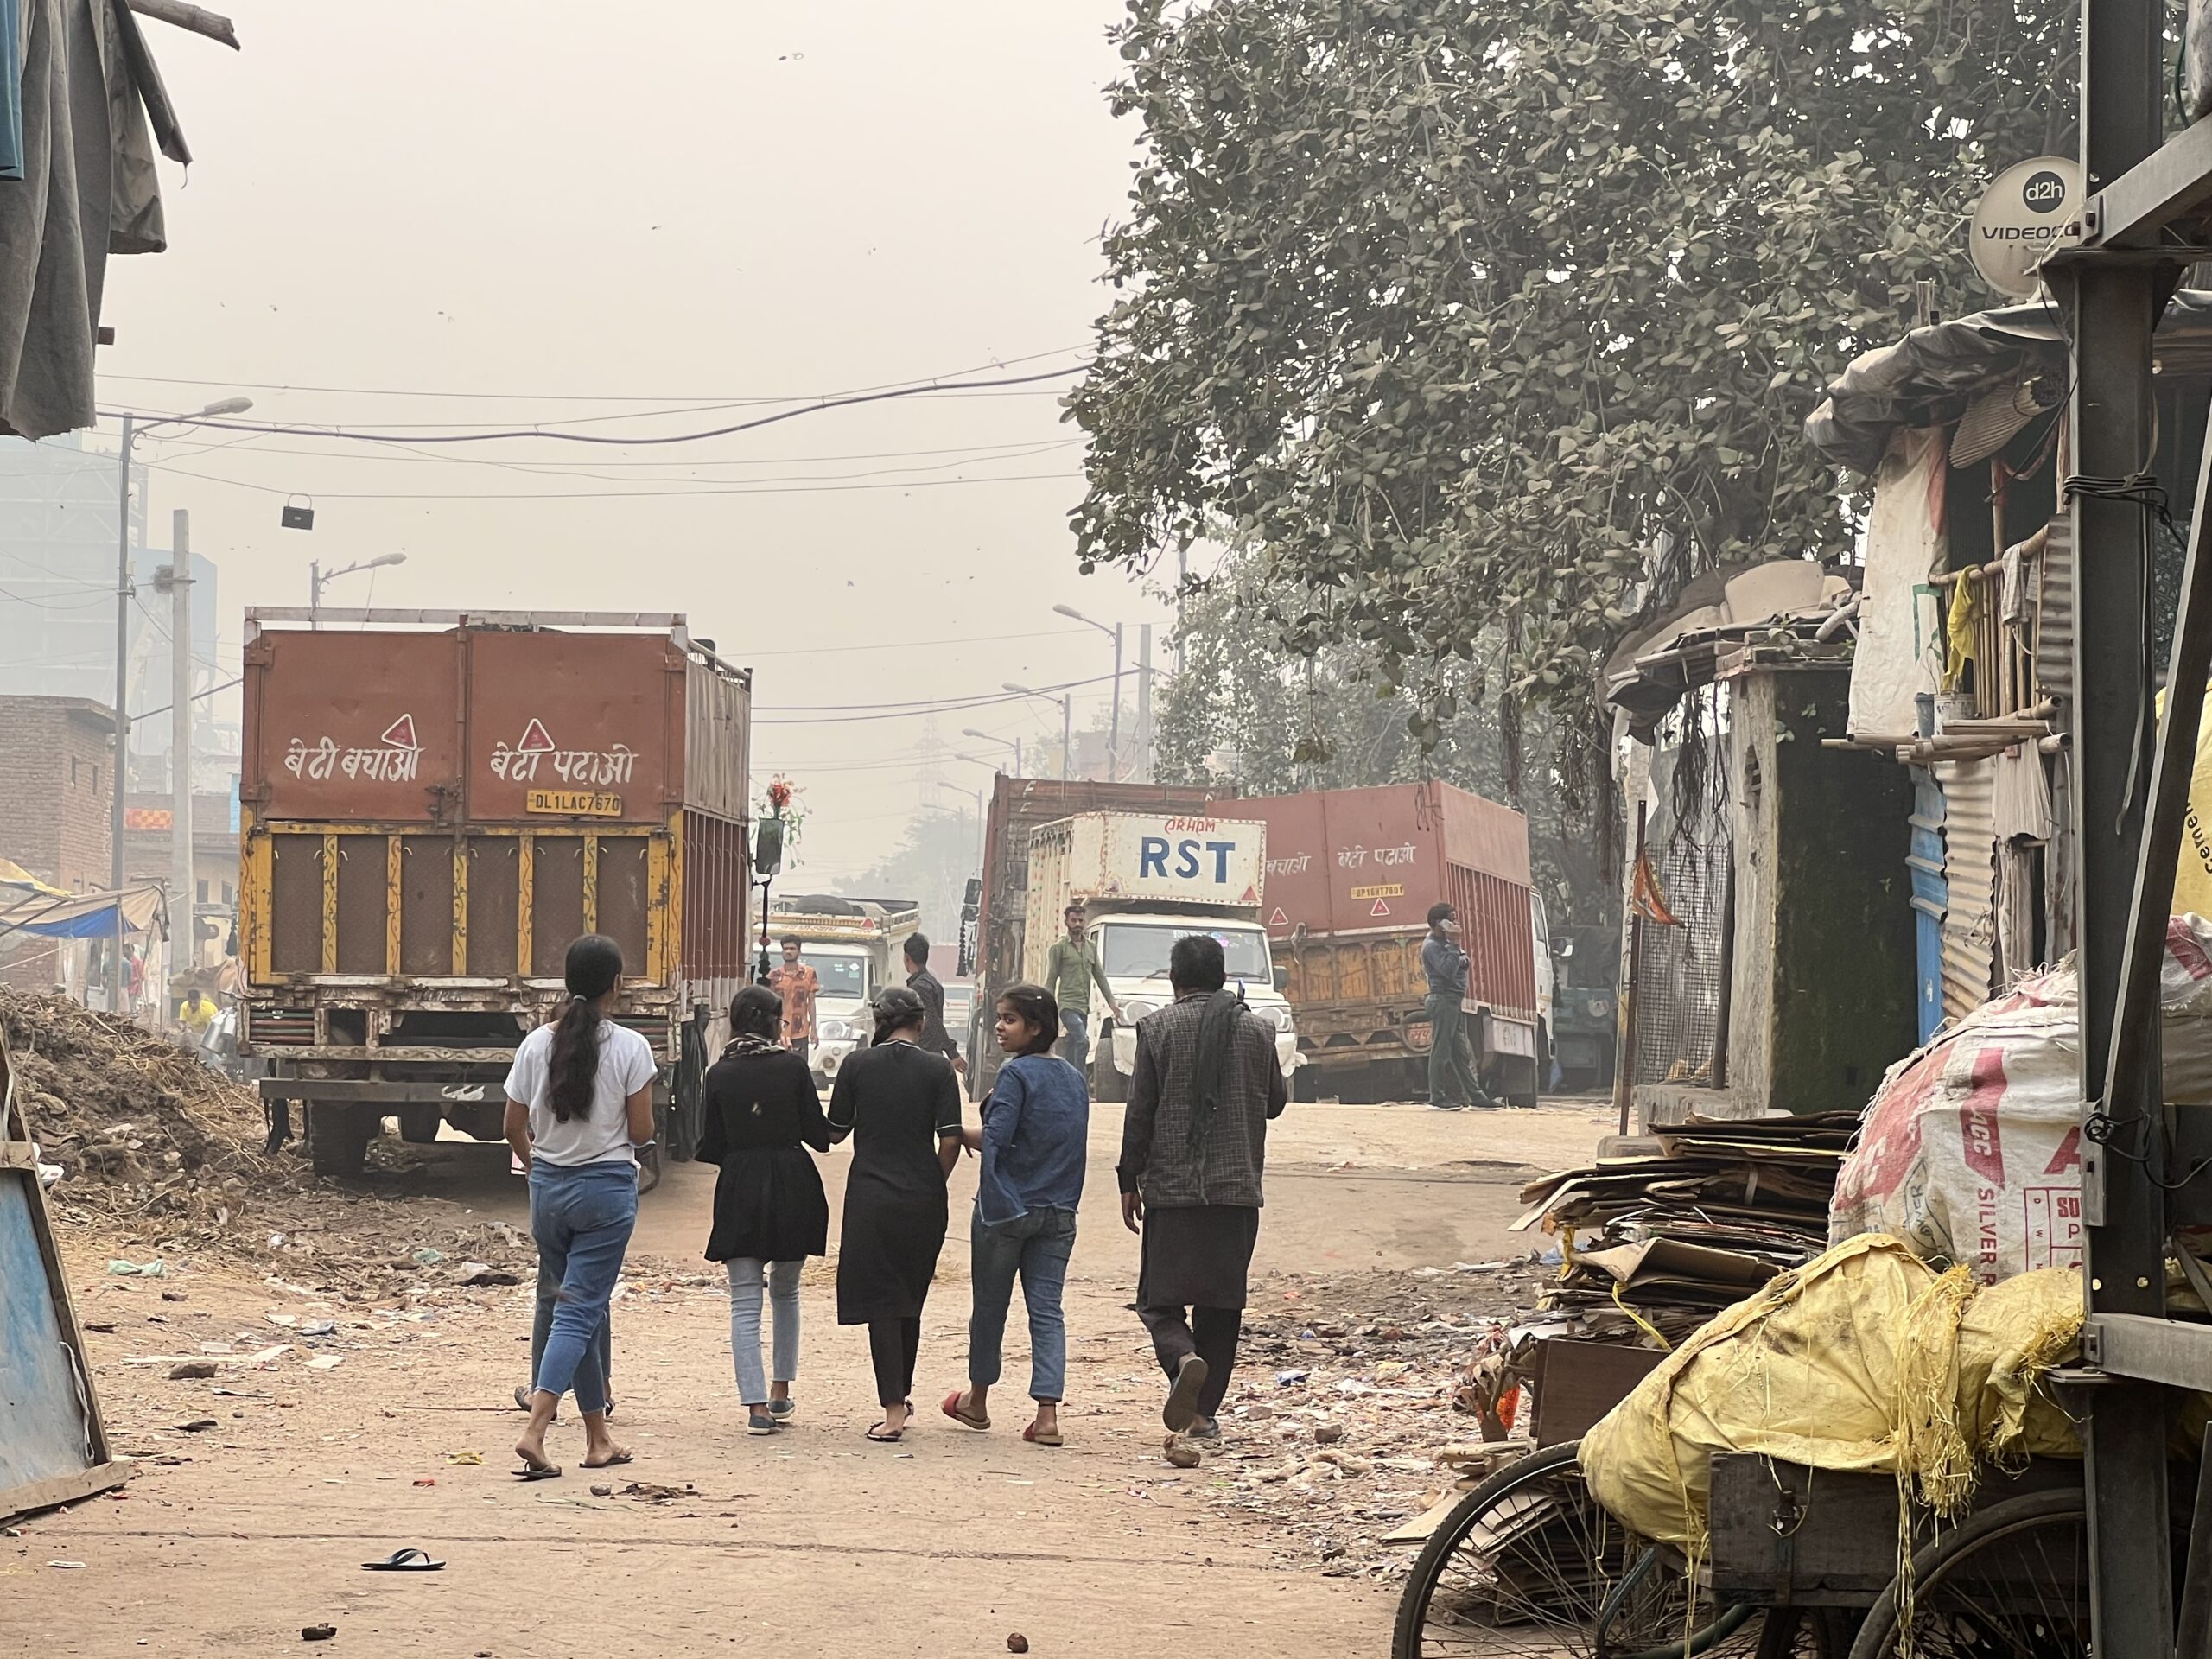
(418, 1125)
(1107, 1083)
(1305, 1083)
(338, 1133)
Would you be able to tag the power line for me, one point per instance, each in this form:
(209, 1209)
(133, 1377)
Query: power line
(547, 433)
(1011, 450)
(609, 495)
(927, 705)
(901, 644)
(718, 399)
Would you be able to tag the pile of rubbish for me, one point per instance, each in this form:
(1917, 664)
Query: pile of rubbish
(1689, 1219)
(129, 1119)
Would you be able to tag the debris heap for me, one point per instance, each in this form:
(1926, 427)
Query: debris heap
(128, 1114)
(1690, 1219)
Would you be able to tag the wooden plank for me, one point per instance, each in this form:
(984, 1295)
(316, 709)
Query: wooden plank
(61, 1489)
(1578, 1381)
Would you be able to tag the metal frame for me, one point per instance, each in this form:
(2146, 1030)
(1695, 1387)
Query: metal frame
(2136, 242)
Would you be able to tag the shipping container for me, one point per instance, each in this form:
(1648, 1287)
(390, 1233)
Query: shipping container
(1350, 875)
(433, 806)
(1017, 806)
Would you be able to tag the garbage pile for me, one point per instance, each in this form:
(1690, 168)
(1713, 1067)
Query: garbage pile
(130, 1120)
(1702, 1216)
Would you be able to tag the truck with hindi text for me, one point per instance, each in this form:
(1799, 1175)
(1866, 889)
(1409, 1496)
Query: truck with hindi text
(1350, 875)
(433, 804)
(1145, 880)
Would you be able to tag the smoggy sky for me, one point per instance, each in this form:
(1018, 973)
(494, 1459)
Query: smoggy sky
(636, 218)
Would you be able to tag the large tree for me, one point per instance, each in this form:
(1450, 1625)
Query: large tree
(1503, 315)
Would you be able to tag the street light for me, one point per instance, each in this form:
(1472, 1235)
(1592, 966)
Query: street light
(1067, 722)
(317, 579)
(1114, 730)
(123, 589)
(1015, 745)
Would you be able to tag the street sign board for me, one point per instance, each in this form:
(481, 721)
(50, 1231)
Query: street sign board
(2028, 210)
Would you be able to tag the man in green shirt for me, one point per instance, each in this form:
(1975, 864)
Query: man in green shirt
(1070, 971)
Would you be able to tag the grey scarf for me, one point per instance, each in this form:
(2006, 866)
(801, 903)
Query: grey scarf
(1217, 1030)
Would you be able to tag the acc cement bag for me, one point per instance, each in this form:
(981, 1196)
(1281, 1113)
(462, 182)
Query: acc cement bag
(1971, 1150)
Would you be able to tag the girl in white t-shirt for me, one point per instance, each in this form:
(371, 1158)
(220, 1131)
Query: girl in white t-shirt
(580, 1102)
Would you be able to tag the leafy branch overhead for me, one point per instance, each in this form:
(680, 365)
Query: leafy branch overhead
(1482, 315)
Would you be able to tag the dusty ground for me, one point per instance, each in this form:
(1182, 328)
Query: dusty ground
(345, 1446)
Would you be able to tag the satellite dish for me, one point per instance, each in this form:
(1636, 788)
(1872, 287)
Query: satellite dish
(2029, 210)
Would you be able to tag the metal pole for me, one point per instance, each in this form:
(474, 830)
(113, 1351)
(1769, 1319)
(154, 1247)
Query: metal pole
(184, 939)
(1144, 770)
(1624, 1032)
(121, 766)
(1067, 739)
(314, 590)
(1113, 729)
(1017, 757)
(2115, 304)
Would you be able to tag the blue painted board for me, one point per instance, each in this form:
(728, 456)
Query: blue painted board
(43, 1430)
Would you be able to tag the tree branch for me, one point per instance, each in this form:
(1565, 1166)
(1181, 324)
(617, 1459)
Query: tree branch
(214, 26)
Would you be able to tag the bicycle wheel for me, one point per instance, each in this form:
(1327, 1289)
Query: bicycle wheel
(2011, 1583)
(1528, 1567)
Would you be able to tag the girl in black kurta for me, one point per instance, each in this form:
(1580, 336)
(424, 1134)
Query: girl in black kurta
(760, 1113)
(901, 1105)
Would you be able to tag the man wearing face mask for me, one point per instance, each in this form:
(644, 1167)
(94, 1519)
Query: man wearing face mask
(1452, 1083)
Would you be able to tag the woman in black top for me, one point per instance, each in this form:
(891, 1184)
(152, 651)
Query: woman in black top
(760, 1113)
(901, 1105)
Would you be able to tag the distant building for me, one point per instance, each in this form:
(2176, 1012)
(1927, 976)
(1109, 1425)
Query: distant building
(57, 794)
(146, 857)
(57, 593)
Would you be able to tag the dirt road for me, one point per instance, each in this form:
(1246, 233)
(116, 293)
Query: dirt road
(233, 1536)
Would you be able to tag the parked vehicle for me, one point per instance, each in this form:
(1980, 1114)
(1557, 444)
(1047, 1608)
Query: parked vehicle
(1585, 1017)
(433, 804)
(1350, 875)
(1144, 883)
(855, 947)
(999, 924)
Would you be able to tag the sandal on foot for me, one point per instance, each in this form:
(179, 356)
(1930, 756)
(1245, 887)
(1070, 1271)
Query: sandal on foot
(959, 1414)
(886, 1438)
(623, 1454)
(405, 1560)
(1048, 1437)
(538, 1472)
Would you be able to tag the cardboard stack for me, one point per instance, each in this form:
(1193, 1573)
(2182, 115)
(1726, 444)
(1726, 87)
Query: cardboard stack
(1665, 1230)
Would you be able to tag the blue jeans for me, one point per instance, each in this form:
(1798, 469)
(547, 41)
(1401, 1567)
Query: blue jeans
(601, 1352)
(746, 1274)
(582, 1218)
(1074, 1039)
(1037, 1246)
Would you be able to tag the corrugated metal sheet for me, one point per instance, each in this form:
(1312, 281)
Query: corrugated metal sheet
(1969, 879)
(2055, 611)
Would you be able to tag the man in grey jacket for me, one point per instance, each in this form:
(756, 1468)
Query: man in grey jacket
(1194, 1144)
(1452, 1081)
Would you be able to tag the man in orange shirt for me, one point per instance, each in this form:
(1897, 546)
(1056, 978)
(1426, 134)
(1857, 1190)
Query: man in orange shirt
(798, 985)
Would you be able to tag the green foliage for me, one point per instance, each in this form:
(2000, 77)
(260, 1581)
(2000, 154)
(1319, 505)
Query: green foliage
(1458, 309)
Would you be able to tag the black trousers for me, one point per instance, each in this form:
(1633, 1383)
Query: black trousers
(891, 1346)
(1210, 1332)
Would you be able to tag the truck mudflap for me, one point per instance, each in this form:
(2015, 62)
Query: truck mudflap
(1121, 1043)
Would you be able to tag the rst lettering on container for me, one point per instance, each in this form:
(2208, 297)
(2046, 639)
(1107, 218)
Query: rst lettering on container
(1190, 855)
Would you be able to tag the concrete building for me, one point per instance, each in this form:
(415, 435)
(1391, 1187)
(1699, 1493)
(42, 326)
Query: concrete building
(57, 794)
(146, 857)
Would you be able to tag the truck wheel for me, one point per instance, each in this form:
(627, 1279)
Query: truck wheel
(1107, 1083)
(418, 1125)
(338, 1133)
(1305, 1083)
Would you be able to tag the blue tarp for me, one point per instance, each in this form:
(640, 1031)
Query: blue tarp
(11, 90)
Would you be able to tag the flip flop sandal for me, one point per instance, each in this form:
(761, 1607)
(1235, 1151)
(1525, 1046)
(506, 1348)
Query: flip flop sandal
(966, 1419)
(1050, 1437)
(405, 1560)
(891, 1438)
(619, 1459)
(538, 1472)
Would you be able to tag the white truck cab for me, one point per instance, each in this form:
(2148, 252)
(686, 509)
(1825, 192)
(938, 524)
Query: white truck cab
(1133, 948)
(855, 946)
(1144, 882)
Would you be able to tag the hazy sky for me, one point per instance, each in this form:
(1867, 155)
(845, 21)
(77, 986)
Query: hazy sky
(554, 207)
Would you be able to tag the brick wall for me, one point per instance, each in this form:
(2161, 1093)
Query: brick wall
(57, 782)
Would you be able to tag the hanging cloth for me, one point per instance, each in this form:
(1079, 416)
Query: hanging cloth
(1958, 630)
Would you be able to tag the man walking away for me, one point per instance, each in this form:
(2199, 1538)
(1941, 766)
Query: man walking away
(1193, 1142)
(798, 985)
(927, 986)
(1071, 969)
(1452, 1083)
